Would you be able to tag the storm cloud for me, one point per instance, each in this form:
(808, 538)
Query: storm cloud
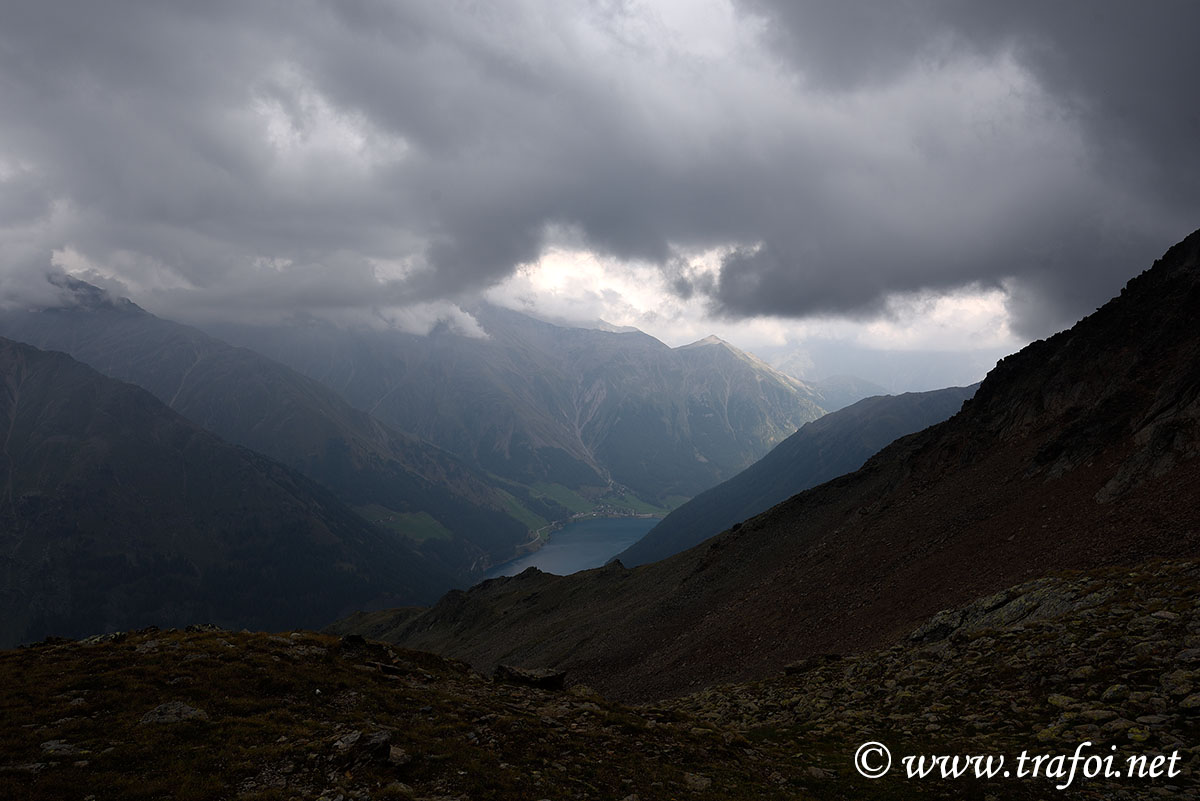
(261, 158)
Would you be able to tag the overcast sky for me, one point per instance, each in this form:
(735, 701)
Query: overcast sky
(905, 174)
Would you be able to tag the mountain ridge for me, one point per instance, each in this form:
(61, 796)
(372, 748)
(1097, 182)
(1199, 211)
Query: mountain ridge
(825, 448)
(540, 402)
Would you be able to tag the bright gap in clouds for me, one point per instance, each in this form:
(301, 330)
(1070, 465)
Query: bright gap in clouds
(582, 287)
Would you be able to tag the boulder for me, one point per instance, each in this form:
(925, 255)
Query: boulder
(543, 678)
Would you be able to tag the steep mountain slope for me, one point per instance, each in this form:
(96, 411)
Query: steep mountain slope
(1076, 452)
(415, 488)
(537, 402)
(835, 444)
(117, 512)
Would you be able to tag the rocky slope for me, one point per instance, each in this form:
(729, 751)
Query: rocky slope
(1108, 657)
(115, 511)
(831, 446)
(538, 402)
(206, 714)
(1111, 657)
(418, 490)
(1076, 452)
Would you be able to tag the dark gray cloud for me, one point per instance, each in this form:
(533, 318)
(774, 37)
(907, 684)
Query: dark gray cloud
(1119, 74)
(272, 156)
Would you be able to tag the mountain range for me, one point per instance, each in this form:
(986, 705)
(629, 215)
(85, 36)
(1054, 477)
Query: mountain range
(1077, 452)
(535, 402)
(442, 518)
(394, 479)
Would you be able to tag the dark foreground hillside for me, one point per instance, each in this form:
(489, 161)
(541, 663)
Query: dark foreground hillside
(1111, 658)
(1075, 453)
(205, 714)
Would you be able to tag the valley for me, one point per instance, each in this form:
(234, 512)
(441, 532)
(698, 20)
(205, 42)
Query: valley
(582, 544)
(465, 499)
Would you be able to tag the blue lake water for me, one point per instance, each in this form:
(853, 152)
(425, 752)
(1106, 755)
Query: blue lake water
(581, 545)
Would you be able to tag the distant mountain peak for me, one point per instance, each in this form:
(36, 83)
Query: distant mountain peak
(711, 339)
(75, 293)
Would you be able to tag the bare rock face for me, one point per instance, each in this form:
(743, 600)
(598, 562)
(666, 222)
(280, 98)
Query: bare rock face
(1036, 600)
(1129, 374)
